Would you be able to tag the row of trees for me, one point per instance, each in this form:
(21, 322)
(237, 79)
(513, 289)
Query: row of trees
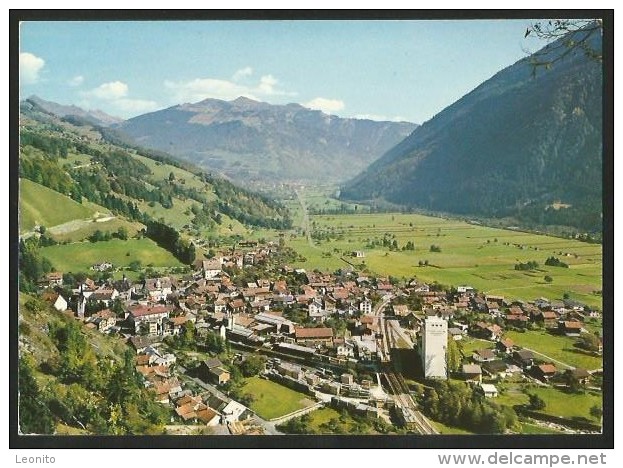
(168, 238)
(554, 261)
(99, 236)
(527, 266)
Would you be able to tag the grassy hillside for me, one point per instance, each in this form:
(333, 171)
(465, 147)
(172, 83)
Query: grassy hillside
(81, 256)
(132, 182)
(161, 171)
(40, 205)
(38, 341)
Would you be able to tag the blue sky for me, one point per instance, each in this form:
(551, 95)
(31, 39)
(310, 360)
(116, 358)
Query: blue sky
(395, 70)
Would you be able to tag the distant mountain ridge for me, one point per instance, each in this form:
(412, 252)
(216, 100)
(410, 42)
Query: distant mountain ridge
(255, 141)
(94, 117)
(517, 145)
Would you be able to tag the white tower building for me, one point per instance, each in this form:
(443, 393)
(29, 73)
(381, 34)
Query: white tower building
(82, 302)
(433, 350)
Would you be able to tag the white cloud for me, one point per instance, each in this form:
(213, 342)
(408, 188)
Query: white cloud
(325, 105)
(114, 98)
(242, 73)
(109, 91)
(202, 88)
(29, 67)
(267, 85)
(76, 80)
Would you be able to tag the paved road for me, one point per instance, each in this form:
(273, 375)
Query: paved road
(306, 224)
(297, 413)
(71, 226)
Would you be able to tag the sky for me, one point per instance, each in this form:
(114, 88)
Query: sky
(383, 70)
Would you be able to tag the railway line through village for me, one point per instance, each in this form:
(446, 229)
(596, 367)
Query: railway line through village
(406, 408)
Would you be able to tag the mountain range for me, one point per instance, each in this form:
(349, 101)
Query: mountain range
(527, 143)
(253, 141)
(75, 169)
(93, 117)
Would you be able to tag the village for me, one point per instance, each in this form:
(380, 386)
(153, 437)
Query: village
(345, 340)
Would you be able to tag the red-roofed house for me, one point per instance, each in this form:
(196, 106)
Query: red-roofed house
(313, 336)
(545, 372)
(570, 328)
(104, 319)
(549, 318)
(139, 314)
(505, 345)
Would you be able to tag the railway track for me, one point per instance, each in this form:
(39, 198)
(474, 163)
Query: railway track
(406, 407)
(398, 388)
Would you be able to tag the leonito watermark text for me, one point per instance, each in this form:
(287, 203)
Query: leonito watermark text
(38, 460)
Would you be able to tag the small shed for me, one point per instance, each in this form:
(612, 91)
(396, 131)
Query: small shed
(489, 390)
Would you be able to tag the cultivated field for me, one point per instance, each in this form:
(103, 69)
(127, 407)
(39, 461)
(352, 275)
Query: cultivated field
(470, 254)
(272, 400)
(81, 256)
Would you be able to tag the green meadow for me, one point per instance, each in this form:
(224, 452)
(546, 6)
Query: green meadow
(81, 256)
(272, 400)
(557, 402)
(560, 348)
(42, 206)
(470, 254)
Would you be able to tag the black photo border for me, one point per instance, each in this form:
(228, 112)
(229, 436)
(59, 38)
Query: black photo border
(586, 441)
